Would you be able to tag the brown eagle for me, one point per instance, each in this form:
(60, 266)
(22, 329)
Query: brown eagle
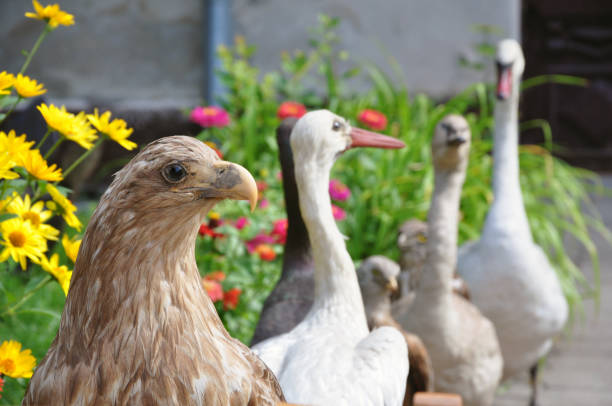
(137, 327)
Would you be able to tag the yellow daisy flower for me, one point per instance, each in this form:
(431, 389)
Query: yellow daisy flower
(13, 144)
(14, 362)
(27, 87)
(65, 207)
(51, 14)
(6, 164)
(60, 272)
(82, 134)
(75, 128)
(36, 165)
(34, 213)
(6, 81)
(71, 247)
(117, 129)
(21, 240)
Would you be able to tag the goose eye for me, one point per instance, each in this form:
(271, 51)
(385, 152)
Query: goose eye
(336, 126)
(174, 173)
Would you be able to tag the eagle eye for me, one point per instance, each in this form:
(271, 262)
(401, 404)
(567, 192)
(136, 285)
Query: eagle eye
(174, 173)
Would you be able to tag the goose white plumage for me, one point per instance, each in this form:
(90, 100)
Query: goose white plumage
(461, 342)
(509, 276)
(331, 357)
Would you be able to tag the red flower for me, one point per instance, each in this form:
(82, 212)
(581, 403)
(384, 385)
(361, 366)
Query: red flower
(231, 298)
(1, 385)
(338, 213)
(217, 276)
(290, 109)
(213, 288)
(373, 119)
(260, 238)
(280, 230)
(205, 230)
(265, 252)
(241, 223)
(210, 116)
(338, 190)
(261, 185)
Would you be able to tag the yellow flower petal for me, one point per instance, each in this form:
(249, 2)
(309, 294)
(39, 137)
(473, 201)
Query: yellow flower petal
(117, 129)
(6, 81)
(14, 362)
(21, 241)
(27, 87)
(74, 127)
(36, 165)
(60, 272)
(71, 247)
(52, 14)
(65, 206)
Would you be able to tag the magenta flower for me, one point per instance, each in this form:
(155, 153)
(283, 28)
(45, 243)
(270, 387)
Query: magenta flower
(241, 223)
(210, 116)
(338, 213)
(260, 238)
(279, 230)
(263, 203)
(338, 190)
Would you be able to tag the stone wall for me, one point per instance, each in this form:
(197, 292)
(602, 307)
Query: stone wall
(149, 53)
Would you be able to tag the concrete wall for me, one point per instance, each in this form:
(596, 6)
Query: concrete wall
(150, 52)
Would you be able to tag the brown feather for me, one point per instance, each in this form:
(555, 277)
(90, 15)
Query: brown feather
(137, 327)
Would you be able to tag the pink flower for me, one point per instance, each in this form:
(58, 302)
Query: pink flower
(279, 175)
(261, 185)
(338, 213)
(279, 230)
(231, 298)
(290, 109)
(210, 116)
(241, 223)
(373, 119)
(338, 190)
(213, 288)
(263, 203)
(260, 238)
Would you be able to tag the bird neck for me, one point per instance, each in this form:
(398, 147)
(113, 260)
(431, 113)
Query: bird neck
(377, 305)
(442, 221)
(335, 280)
(297, 257)
(137, 274)
(507, 213)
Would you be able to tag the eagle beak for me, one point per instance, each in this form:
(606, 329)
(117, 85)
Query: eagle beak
(392, 285)
(235, 182)
(364, 138)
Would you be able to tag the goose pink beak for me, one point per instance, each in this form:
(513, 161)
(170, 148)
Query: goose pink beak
(504, 82)
(364, 138)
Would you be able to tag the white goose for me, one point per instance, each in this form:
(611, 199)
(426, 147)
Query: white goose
(509, 276)
(331, 358)
(461, 342)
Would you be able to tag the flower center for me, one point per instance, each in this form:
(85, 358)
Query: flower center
(17, 239)
(7, 366)
(209, 111)
(33, 217)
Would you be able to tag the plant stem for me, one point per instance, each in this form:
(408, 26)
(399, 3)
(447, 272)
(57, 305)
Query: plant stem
(40, 285)
(44, 138)
(8, 113)
(82, 157)
(54, 147)
(35, 48)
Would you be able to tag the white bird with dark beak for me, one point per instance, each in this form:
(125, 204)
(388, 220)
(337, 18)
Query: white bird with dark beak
(331, 357)
(509, 276)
